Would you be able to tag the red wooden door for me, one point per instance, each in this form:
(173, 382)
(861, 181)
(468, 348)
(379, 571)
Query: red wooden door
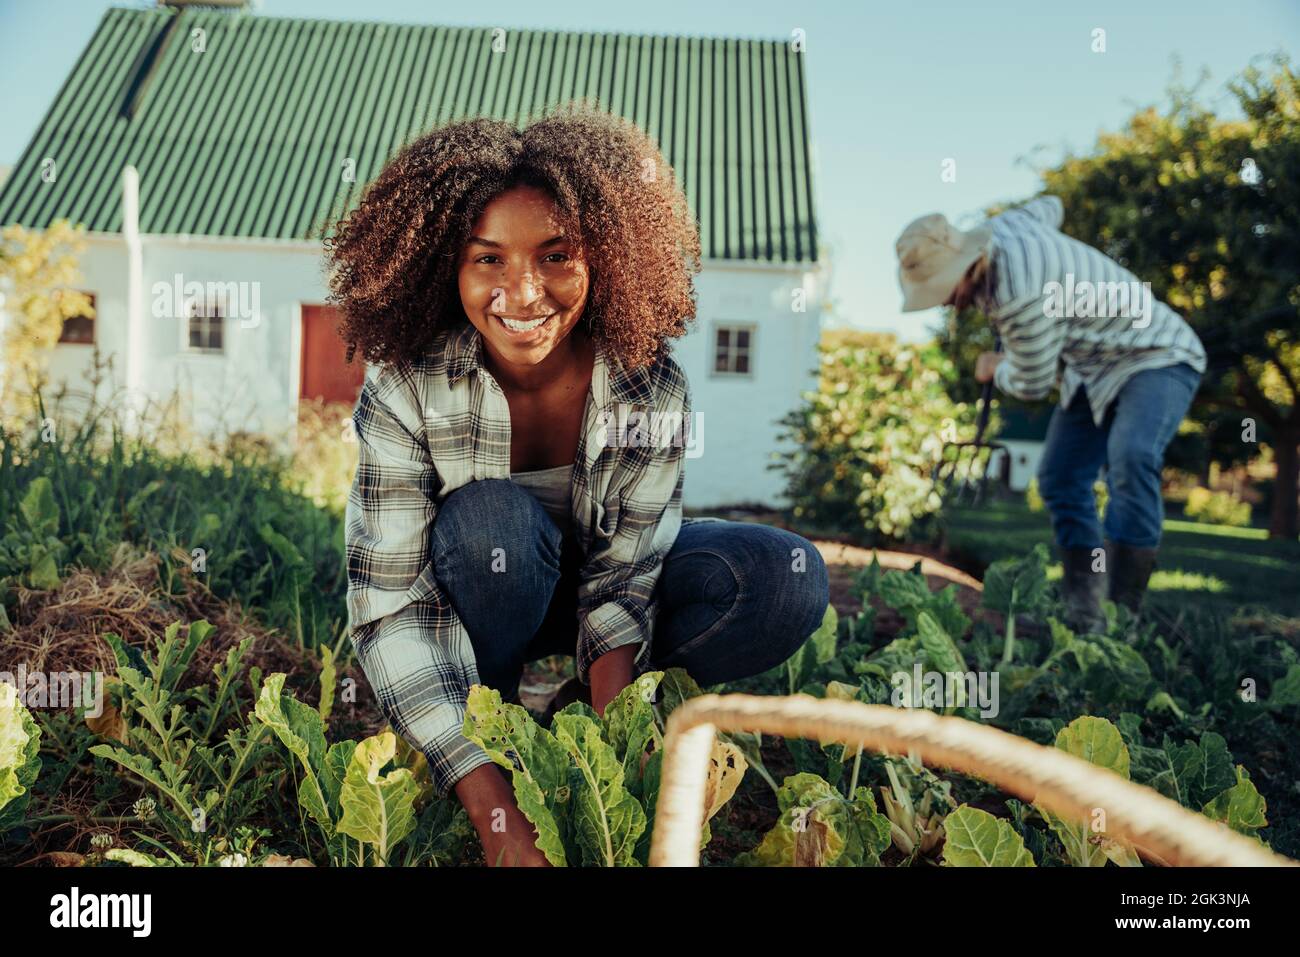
(325, 374)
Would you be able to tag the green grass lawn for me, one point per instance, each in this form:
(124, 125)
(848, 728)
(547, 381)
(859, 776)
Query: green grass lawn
(1209, 564)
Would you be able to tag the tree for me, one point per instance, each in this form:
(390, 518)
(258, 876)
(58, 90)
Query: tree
(1207, 210)
(38, 269)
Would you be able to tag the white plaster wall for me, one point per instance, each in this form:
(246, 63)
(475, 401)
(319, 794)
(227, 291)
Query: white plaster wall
(739, 414)
(103, 273)
(253, 385)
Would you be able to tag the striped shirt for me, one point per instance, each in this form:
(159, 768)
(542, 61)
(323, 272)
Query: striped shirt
(442, 422)
(1065, 310)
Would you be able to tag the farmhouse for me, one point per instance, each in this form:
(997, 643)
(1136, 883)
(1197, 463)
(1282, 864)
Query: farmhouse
(207, 150)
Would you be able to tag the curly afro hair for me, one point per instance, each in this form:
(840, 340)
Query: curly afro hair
(393, 260)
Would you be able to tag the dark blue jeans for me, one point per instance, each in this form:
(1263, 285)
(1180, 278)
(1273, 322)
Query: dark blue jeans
(1131, 444)
(731, 601)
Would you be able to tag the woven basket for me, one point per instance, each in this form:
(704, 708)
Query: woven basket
(1159, 829)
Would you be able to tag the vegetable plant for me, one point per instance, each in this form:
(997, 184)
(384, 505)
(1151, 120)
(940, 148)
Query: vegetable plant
(20, 761)
(819, 827)
(1016, 586)
(589, 784)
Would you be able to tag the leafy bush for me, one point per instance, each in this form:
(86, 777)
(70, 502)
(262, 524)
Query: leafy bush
(39, 274)
(325, 452)
(30, 550)
(1013, 586)
(229, 516)
(168, 739)
(1033, 498)
(865, 444)
(1216, 508)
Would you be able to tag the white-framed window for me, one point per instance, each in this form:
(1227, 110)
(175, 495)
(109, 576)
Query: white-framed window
(733, 348)
(205, 326)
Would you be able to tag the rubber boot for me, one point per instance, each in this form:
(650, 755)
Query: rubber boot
(1130, 570)
(1083, 590)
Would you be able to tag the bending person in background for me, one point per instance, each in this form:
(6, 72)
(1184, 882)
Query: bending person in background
(1127, 365)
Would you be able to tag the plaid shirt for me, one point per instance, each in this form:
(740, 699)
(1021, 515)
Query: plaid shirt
(429, 428)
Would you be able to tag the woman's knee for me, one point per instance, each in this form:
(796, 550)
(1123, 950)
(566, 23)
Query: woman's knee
(496, 555)
(787, 589)
(811, 590)
(489, 522)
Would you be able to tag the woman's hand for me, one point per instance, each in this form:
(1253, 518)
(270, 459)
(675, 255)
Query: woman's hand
(986, 365)
(610, 674)
(508, 838)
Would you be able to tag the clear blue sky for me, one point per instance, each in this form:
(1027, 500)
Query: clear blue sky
(896, 88)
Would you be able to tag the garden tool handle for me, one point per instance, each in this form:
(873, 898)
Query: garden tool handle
(986, 399)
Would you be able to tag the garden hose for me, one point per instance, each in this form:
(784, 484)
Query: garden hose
(1068, 786)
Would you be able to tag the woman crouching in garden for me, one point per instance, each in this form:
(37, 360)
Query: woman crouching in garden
(515, 293)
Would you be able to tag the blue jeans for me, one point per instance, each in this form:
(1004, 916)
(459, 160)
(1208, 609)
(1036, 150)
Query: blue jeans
(731, 604)
(1131, 444)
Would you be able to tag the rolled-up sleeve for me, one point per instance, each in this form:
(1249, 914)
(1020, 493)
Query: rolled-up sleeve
(408, 639)
(643, 514)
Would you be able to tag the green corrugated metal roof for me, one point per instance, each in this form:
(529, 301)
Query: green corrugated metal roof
(248, 138)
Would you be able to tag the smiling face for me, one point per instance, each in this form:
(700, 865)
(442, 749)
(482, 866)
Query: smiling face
(523, 282)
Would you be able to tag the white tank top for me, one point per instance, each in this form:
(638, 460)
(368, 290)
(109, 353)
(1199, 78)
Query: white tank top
(551, 487)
